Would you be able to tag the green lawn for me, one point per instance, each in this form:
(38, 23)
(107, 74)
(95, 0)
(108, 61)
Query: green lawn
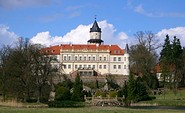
(169, 99)
(83, 110)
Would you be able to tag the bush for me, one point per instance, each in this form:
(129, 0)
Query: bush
(113, 93)
(152, 97)
(65, 104)
(95, 84)
(87, 93)
(62, 93)
(100, 93)
(31, 100)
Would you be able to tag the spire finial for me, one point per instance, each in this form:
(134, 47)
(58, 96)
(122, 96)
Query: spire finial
(95, 17)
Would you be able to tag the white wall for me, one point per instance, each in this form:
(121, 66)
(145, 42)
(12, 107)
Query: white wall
(121, 62)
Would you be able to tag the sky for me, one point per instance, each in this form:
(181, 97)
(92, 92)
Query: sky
(53, 22)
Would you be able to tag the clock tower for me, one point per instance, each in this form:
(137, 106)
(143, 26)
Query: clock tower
(95, 34)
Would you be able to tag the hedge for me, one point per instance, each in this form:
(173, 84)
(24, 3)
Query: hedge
(59, 104)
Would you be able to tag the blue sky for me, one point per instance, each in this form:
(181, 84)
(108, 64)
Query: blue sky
(68, 21)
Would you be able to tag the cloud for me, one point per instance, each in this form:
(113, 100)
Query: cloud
(74, 14)
(177, 31)
(10, 4)
(73, 8)
(7, 37)
(50, 17)
(141, 10)
(80, 35)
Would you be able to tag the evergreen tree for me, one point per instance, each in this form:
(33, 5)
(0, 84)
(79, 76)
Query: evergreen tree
(131, 88)
(171, 60)
(141, 90)
(166, 59)
(137, 90)
(177, 61)
(125, 93)
(77, 90)
(62, 93)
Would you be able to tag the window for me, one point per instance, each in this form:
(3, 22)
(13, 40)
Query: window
(69, 57)
(54, 57)
(80, 58)
(65, 58)
(114, 67)
(100, 58)
(69, 66)
(85, 58)
(94, 66)
(55, 66)
(119, 66)
(104, 58)
(76, 66)
(105, 66)
(76, 58)
(114, 58)
(64, 66)
(124, 58)
(100, 66)
(85, 66)
(89, 58)
(89, 66)
(119, 58)
(125, 67)
(80, 66)
(93, 58)
(90, 73)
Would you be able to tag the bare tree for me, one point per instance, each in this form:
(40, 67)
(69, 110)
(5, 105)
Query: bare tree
(143, 55)
(4, 54)
(148, 40)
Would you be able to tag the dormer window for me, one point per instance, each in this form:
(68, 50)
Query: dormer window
(114, 51)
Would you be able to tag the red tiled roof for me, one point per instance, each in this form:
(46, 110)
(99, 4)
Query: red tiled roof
(114, 49)
(55, 50)
(158, 68)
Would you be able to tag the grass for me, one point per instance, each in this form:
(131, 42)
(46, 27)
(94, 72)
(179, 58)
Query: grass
(168, 99)
(83, 110)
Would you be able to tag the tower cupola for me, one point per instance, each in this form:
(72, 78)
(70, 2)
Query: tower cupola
(95, 34)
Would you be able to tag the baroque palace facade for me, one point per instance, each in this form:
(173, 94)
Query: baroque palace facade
(93, 58)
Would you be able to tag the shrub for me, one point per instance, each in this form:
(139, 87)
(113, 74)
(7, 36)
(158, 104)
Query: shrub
(62, 93)
(113, 93)
(100, 93)
(59, 104)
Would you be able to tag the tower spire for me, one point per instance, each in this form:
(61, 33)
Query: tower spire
(95, 33)
(126, 48)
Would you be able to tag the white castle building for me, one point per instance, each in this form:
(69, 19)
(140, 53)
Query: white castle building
(93, 58)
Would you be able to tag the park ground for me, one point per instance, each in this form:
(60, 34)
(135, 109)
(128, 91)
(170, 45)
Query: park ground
(85, 110)
(166, 99)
